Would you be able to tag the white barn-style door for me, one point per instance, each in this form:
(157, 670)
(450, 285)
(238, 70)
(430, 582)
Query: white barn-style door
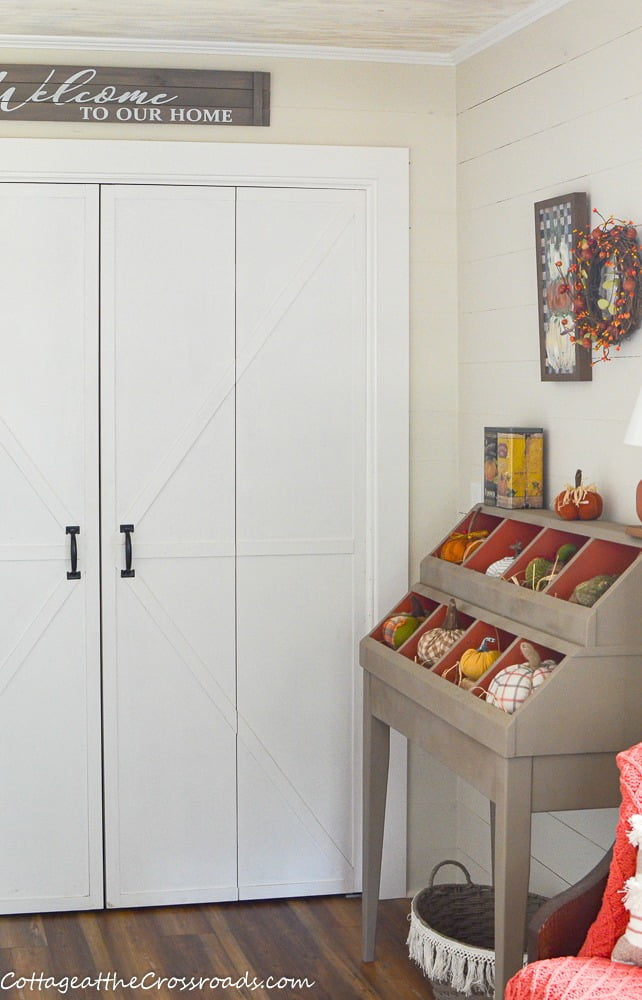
(204, 390)
(50, 784)
(301, 535)
(167, 368)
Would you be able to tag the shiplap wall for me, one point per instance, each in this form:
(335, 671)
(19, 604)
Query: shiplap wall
(554, 109)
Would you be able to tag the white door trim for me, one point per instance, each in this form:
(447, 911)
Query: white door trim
(382, 173)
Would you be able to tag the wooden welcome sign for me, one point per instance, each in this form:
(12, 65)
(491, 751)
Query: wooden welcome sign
(109, 94)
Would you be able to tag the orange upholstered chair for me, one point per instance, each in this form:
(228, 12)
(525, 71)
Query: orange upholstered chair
(573, 935)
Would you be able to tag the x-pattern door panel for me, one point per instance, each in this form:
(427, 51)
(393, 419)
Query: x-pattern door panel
(301, 535)
(168, 471)
(50, 842)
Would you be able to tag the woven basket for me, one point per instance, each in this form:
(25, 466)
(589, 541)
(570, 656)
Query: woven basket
(452, 936)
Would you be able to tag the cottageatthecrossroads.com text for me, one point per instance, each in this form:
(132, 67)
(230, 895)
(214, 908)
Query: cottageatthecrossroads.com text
(108, 982)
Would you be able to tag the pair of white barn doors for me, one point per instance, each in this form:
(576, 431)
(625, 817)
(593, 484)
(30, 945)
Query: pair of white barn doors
(182, 542)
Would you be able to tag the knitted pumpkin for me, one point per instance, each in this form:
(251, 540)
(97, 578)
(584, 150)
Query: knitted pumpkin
(511, 686)
(436, 641)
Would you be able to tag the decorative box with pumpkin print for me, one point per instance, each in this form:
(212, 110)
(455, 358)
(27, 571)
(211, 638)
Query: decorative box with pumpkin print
(514, 466)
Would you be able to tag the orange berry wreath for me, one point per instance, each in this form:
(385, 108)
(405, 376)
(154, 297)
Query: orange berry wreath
(605, 282)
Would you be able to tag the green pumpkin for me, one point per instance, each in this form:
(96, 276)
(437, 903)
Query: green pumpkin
(535, 572)
(590, 591)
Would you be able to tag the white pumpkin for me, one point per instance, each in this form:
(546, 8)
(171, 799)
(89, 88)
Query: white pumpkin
(511, 686)
(501, 566)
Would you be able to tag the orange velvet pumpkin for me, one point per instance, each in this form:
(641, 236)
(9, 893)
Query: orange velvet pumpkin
(591, 505)
(460, 545)
(579, 501)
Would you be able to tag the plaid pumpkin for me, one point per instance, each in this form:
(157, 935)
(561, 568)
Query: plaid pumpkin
(512, 685)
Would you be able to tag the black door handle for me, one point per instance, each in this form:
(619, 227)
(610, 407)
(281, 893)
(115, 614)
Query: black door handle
(72, 530)
(127, 531)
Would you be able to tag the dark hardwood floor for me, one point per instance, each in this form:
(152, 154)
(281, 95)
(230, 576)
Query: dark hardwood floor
(218, 950)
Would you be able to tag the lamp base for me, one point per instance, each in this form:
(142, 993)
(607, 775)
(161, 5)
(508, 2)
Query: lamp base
(636, 529)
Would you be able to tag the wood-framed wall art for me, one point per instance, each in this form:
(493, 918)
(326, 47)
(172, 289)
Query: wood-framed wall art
(556, 223)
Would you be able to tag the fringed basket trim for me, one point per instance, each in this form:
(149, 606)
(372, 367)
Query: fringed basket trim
(451, 936)
(464, 967)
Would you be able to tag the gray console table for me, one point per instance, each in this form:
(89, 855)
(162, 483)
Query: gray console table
(557, 751)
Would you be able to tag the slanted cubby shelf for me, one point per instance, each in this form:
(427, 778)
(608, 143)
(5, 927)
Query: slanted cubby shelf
(597, 649)
(556, 750)
(602, 547)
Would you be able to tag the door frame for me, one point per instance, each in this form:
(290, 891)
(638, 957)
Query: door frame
(383, 174)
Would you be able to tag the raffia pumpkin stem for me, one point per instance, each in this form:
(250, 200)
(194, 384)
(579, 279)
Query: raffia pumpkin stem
(579, 501)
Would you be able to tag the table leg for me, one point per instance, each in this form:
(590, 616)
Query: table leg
(492, 841)
(376, 759)
(512, 865)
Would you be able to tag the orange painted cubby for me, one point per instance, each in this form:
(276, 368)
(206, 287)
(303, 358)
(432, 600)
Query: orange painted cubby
(512, 656)
(545, 546)
(596, 558)
(499, 544)
(435, 620)
(473, 521)
(405, 607)
(471, 639)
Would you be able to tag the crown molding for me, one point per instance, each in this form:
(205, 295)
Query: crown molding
(507, 28)
(282, 51)
(250, 49)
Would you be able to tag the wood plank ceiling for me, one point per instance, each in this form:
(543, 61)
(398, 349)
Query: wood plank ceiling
(439, 27)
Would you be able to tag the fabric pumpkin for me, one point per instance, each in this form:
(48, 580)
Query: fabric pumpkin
(460, 545)
(511, 686)
(579, 501)
(475, 662)
(398, 628)
(501, 566)
(590, 591)
(434, 643)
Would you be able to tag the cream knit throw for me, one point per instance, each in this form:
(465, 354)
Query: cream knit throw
(628, 948)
